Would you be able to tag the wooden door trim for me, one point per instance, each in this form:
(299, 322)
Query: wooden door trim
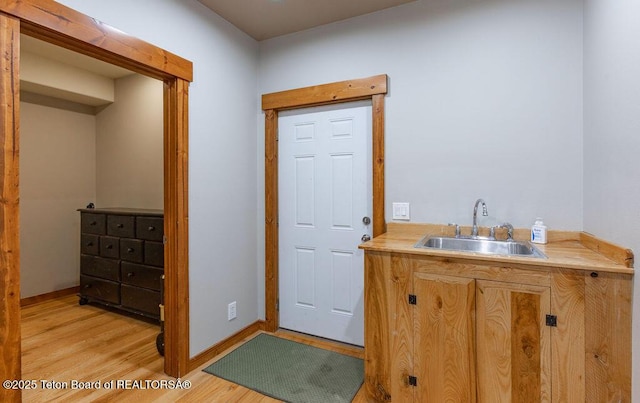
(9, 207)
(60, 25)
(373, 88)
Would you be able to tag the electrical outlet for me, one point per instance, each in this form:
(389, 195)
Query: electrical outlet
(231, 311)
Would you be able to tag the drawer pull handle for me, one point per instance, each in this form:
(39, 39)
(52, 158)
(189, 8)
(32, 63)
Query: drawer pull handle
(130, 250)
(89, 243)
(152, 228)
(87, 286)
(130, 274)
(120, 225)
(93, 223)
(109, 246)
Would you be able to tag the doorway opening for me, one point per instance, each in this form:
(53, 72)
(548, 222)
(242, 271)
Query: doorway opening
(90, 135)
(60, 25)
(325, 211)
(372, 88)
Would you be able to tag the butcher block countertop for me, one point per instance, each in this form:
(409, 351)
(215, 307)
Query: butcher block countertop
(566, 249)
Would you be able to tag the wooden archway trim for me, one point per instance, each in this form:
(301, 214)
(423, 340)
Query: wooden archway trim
(63, 26)
(373, 88)
(60, 25)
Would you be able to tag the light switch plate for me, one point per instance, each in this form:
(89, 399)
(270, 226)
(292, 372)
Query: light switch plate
(401, 211)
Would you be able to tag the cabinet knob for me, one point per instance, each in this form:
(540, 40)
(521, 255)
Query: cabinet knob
(152, 228)
(131, 274)
(130, 250)
(93, 223)
(120, 225)
(89, 243)
(109, 246)
(87, 286)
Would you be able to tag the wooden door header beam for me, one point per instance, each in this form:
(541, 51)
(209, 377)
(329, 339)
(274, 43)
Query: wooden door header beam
(343, 91)
(63, 26)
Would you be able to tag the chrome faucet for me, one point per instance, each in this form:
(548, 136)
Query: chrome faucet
(474, 229)
(507, 226)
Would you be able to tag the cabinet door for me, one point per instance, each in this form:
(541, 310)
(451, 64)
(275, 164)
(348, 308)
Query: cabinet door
(444, 343)
(513, 342)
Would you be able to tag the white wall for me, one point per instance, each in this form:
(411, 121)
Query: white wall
(222, 152)
(57, 176)
(485, 100)
(612, 134)
(129, 146)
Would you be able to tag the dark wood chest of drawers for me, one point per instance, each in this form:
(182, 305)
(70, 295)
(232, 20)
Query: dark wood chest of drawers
(122, 259)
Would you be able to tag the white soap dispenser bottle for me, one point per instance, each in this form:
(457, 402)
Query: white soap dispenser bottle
(539, 232)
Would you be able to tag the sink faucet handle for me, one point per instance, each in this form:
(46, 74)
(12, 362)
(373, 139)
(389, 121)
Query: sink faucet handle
(509, 228)
(451, 224)
(492, 232)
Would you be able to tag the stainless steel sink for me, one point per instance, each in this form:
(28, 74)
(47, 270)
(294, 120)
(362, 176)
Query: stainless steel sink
(481, 245)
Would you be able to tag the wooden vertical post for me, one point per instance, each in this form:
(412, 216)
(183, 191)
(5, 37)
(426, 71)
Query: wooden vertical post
(176, 226)
(9, 206)
(271, 219)
(379, 224)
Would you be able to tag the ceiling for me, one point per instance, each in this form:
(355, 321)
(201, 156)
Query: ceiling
(264, 19)
(260, 19)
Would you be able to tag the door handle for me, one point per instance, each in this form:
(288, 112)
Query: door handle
(366, 220)
(365, 238)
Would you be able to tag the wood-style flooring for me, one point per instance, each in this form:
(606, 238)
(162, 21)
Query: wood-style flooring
(64, 342)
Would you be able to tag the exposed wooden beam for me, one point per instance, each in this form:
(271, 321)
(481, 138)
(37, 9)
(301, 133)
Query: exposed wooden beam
(343, 91)
(63, 26)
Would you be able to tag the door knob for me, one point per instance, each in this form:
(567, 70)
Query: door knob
(365, 238)
(366, 220)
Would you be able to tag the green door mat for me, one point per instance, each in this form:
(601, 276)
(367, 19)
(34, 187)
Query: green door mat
(291, 371)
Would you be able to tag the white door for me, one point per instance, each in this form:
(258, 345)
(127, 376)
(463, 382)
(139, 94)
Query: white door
(324, 176)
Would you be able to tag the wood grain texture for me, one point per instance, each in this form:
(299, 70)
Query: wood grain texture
(377, 338)
(568, 348)
(63, 26)
(401, 318)
(9, 205)
(514, 345)
(176, 226)
(64, 341)
(379, 224)
(608, 337)
(271, 219)
(388, 355)
(444, 338)
(587, 357)
(614, 252)
(480, 270)
(343, 91)
(50, 295)
(570, 254)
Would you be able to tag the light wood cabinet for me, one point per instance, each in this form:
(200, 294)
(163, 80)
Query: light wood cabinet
(513, 342)
(490, 332)
(444, 342)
